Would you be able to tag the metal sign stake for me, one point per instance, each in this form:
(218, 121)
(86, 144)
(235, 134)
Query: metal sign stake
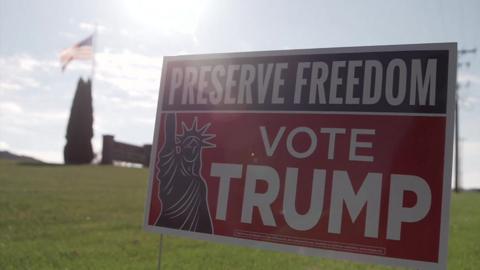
(159, 265)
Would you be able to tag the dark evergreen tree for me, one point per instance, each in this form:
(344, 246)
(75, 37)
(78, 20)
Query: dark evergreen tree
(78, 149)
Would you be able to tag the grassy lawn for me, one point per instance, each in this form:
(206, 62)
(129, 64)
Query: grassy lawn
(88, 217)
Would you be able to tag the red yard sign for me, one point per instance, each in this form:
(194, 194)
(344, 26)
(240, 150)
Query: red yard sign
(342, 153)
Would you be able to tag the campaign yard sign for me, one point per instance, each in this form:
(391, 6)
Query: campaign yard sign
(342, 153)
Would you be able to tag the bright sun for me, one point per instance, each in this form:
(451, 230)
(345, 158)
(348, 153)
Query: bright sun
(170, 15)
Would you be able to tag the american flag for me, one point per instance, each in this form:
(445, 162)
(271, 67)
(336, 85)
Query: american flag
(81, 51)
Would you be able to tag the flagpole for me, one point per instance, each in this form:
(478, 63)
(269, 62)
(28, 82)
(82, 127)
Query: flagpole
(94, 46)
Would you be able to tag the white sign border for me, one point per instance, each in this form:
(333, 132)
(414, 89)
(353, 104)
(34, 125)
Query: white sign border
(333, 254)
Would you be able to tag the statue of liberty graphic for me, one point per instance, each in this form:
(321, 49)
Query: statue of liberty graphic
(182, 189)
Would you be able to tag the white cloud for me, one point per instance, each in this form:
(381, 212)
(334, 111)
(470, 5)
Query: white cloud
(471, 179)
(9, 108)
(179, 16)
(469, 81)
(471, 149)
(19, 121)
(67, 35)
(469, 101)
(36, 131)
(91, 26)
(28, 63)
(4, 146)
(135, 74)
(17, 71)
(469, 77)
(147, 121)
(124, 32)
(50, 116)
(9, 86)
(470, 156)
(133, 103)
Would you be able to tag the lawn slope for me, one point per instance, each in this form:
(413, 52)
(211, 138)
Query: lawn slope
(90, 217)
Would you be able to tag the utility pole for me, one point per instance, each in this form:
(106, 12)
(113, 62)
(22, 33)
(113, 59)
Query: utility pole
(457, 123)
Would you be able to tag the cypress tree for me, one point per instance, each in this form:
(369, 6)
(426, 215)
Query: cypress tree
(78, 149)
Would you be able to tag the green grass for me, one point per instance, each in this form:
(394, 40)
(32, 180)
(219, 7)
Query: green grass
(88, 217)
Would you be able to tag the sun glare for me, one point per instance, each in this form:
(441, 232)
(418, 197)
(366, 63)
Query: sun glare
(179, 16)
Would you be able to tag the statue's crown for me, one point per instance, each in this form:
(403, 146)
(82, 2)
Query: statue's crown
(196, 133)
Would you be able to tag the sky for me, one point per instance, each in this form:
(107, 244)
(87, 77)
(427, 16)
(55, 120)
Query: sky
(35, 96)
